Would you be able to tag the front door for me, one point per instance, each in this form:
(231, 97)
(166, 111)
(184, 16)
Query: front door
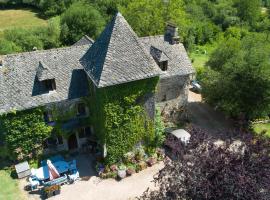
(72, 142)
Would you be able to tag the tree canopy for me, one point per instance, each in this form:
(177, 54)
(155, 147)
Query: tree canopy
(238, 80)
(206, 169)
(80, 19)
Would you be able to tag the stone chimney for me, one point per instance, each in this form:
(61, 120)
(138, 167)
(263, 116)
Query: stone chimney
(171, 34)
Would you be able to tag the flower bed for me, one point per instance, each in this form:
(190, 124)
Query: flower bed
(132, 162)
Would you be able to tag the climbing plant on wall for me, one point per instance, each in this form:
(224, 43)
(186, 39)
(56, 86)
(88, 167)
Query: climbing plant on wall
(119, 118)
(24, 132)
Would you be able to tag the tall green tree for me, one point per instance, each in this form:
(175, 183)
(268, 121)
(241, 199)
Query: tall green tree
(150, 17)
(80, 19)
(249, 10)
(238, 81)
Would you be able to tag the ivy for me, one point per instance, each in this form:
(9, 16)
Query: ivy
(119, 118)
(24, 133)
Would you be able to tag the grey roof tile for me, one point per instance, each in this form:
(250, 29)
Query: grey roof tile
(84, 41)
(117, 53)
(44, 72)
(19, 77)
(178, 60)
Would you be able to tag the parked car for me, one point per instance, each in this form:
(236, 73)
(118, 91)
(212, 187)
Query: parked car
(196, 86)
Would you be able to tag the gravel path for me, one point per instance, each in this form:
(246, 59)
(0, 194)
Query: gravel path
(108, 189)
(204, 116)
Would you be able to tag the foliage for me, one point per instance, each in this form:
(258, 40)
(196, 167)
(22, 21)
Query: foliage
(18, 39)
(119, 118)
(238, 81)
(207, 170)
(149, 17)
(24, 133)
(159, 130)
(80, 19)
(249, 11)
(7, 47)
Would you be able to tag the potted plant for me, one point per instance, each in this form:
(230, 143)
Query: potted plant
(151, 161)
(113, 168)
(142, 165)
(130, 170)
(121, 173)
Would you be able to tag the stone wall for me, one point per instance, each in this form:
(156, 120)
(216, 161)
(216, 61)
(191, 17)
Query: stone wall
(172, 93)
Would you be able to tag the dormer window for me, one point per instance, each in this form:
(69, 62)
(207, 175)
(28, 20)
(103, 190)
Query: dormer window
(160, 57)
(49, 84)
(163, 65)
(46, 78)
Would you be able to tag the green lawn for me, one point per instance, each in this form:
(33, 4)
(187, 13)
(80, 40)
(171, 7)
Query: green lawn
(9, 187)
(19, 18)
(260, 127)
(199, 59)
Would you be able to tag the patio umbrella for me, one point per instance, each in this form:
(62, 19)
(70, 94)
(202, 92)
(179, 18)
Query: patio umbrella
(52, 171)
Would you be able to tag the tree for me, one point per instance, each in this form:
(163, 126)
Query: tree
(249, 11)
(79, 20)
(206, 170)
(149, 17)
(238, 81)
(24, 133)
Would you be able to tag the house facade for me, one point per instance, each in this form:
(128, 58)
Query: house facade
(59, 79)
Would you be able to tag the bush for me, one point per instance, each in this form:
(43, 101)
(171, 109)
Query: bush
(79, 20)
(207, 170)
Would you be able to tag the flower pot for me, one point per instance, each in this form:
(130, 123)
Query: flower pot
(130, 171)
(121, 173)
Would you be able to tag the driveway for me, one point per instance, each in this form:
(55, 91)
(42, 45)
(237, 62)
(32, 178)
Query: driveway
(90, 187)
(204, 116)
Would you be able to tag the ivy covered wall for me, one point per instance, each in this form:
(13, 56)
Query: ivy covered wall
(119, 117)
(23, 133)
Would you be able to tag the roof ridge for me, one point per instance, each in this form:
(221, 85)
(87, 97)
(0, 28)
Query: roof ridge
(41, 51)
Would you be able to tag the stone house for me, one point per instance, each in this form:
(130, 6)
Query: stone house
(59, 78)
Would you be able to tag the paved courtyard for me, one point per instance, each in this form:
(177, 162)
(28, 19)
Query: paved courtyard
(93, 188)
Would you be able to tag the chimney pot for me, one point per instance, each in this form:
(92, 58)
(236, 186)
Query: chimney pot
(171, 34)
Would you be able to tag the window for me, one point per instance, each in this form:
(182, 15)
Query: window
(163, 65)
(53, 141)
(81, 109)
(48, 117)
(164, 98)
(81, 133)
(88, 131)
(60, 140)
(49, 84)
(85, 132)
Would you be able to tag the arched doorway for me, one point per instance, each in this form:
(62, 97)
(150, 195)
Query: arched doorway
(72, 142)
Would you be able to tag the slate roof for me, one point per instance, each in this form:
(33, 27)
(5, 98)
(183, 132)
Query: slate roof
(44, 72)
(19, 85)
(178, 61)
(158, 55)
(117, 56)
(84, 41)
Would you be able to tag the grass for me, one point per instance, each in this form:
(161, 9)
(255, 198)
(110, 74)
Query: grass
(9, 189)
(258, 128)
(199, 59)
(19, 18)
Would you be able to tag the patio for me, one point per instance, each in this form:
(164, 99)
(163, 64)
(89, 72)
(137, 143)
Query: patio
(92, 187)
